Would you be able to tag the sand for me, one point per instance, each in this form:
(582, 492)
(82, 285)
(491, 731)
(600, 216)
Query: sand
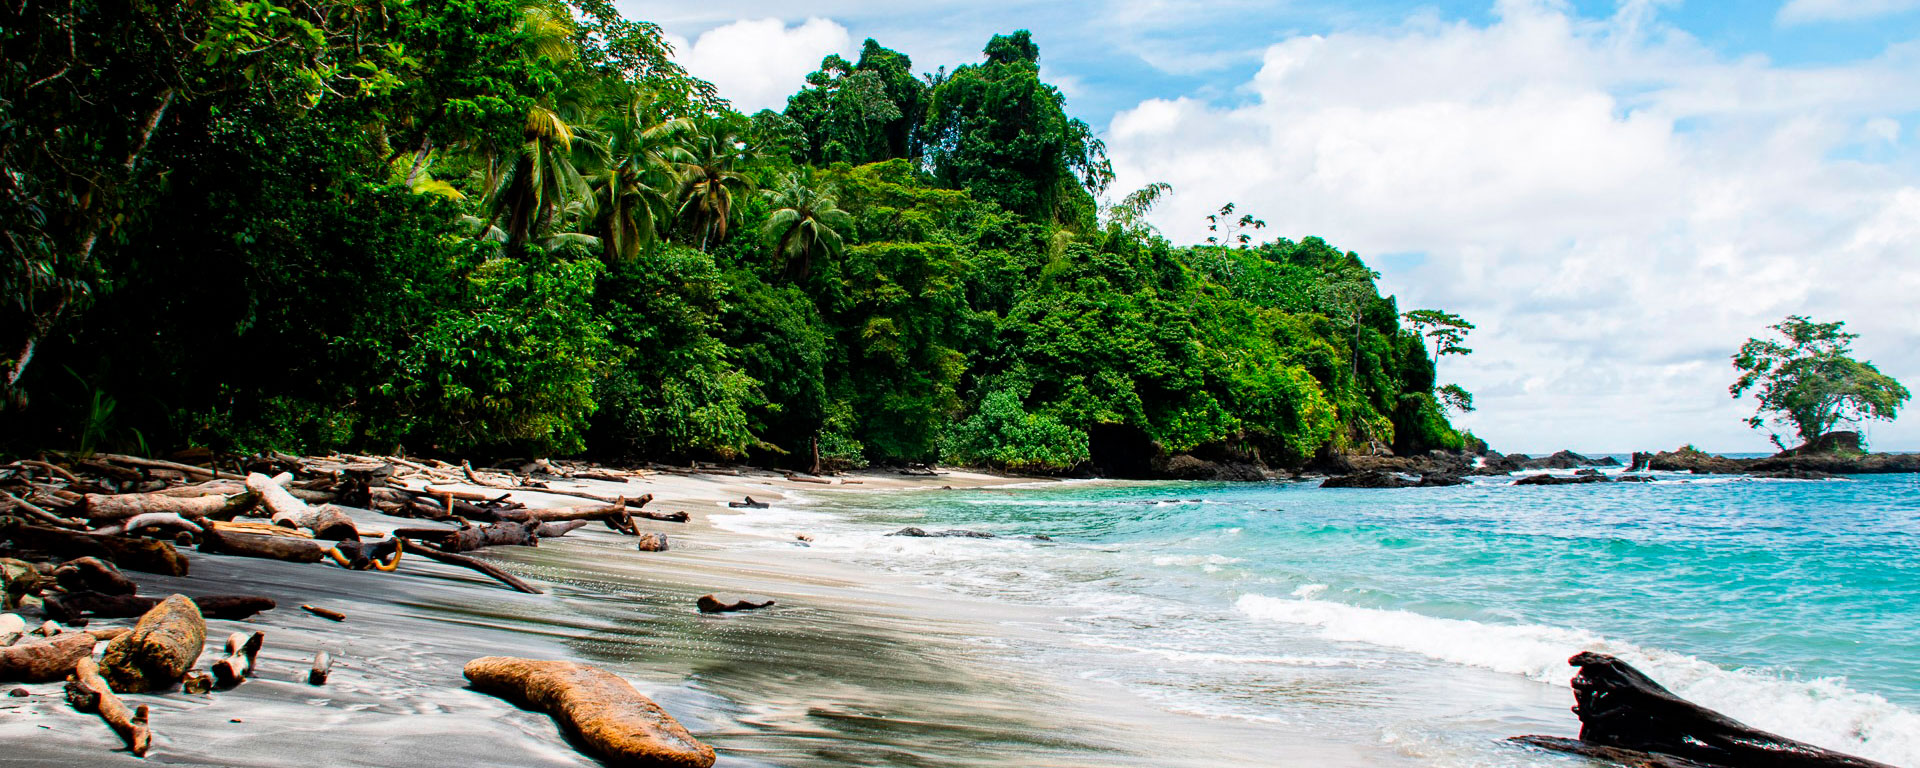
(851, 667)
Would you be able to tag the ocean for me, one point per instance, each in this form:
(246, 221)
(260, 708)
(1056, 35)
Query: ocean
(1425, 625)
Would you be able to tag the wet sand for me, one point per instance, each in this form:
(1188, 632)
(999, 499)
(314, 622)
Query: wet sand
(852, 667)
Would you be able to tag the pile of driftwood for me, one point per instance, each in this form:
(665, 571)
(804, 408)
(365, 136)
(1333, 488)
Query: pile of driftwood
(71, 526)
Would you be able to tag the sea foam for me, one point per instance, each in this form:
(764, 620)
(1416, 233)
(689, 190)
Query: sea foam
(1821, 711)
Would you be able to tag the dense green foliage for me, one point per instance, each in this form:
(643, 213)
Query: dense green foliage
(1810, 382)
(514, 226)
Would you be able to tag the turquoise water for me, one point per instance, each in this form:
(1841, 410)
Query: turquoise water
(1433, 621)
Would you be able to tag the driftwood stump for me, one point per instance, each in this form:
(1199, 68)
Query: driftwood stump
(613, 720)
(44, 661)
(159, 650)
(1626, 717)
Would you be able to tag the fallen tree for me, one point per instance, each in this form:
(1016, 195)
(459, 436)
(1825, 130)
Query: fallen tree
(103, 507)
(146, 555)
(160, 649)
(603, 711)
(1623, 710)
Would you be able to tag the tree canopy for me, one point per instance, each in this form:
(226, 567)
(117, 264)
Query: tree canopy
(515, 226)
(1807, 380)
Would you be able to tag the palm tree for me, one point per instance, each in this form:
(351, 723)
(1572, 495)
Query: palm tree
(707, 181)
(635, 192)
(805, 218)
(540, 179)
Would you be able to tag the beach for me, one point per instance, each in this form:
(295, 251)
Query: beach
(851, 667)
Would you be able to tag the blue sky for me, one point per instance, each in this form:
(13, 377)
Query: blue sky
(1618, 193)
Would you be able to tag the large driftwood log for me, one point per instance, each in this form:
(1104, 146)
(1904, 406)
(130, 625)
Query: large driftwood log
(81, 605)
(556, 530)
(160, 649)
(137, 554)
(44, 661)
(238, 664)
(288, 548)
(325, 521)
(713, 604)
(1621, 708)
(101, 507)
(91, 574)
(613, 720)
(88, 692)
(429, 552)
(475, 537)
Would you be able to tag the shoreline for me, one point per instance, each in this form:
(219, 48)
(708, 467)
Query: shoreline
(851, 667)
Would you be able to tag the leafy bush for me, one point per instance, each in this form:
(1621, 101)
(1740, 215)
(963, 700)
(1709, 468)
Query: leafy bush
(1003, 434)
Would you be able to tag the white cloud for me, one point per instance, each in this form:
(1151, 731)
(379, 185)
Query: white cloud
(1617, 207)
(758, 63)
(1805, 11)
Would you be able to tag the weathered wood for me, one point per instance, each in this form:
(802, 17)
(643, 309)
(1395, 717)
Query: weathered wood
(44, 661)
(87, 691)
(429, 552)
(466, 469)
(609, 717)
(91, 574)
(601, 476)
(325, 613)
(558, 529)
(196, 682)
(146, 555)
(160, 649)
(101, 507)
(712, 604)
(241, 651)
(1624, 757)
(490, 535)
(12, 627)
(816, 480)
(653, 542)
(354, 555)
(191, 470)
(325, 521)
(748, 504)
(80, 605)
(322, 667)
(38, 513)
(288, 548)
(1620, 707)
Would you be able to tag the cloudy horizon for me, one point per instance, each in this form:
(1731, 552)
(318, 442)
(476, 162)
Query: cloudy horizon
(1617, 194)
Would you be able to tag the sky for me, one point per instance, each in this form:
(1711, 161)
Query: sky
(1617, 193)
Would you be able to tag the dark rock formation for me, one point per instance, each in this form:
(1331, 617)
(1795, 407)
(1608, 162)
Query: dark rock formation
(921, 534)
(1620, 708)
(1557, 480)
(1796, 474)
(1440, 480)
(1560, 460)
(1843, 442)
(1840, 463)
(1634, 479)
(1368, 479)
(1690, 459)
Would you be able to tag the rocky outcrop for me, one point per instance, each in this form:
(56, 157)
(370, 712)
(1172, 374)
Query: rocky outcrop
(1796, 474)
(1841, 464)
(1372, 478)
(1561, 480)
(1691, 459)
(1842, 442)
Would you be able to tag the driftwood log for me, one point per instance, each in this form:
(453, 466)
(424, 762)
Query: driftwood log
(1623, 711)
(325, 613)
(748, 504)
(475, 537)
(101, 507)
(238, 664)
(558, 529)
(325, 521)
(322, 667)
(653, 542)
(81, 605)
(713, 604)
(44, 661)
(11, 628)
(160, 649)
(355, 555)
(609, 717)
(289, 548)
(146, 555)
(91, 574)
(429, 552)
(88, 692)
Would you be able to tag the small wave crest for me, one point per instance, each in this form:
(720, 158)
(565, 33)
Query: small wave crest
(1822, 711)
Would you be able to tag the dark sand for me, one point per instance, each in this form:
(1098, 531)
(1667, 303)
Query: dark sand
(851, 668)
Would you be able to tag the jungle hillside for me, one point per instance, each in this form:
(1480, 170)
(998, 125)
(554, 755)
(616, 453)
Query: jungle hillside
(518, 228)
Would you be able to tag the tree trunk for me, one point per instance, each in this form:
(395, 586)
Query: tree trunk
(45, 661)
(101, 507)
(159, 650)
(604, 712)
(82, 605)
(288, 548)
(136, 554)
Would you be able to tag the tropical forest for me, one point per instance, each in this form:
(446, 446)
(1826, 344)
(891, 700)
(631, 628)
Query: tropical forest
(519, 228)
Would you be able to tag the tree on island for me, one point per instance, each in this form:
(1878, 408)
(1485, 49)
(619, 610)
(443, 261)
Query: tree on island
(1810, 382)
